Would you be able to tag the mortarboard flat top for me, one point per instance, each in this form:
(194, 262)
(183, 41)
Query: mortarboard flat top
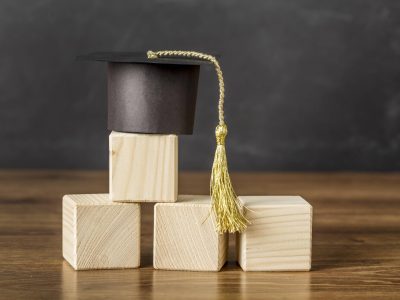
(138, 57)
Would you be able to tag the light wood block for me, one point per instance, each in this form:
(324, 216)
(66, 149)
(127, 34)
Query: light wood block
(185, 236)
(100, 234)
(143, 167)
(279, 236)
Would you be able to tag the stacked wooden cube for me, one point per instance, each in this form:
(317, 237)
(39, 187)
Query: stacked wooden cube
(102, 231)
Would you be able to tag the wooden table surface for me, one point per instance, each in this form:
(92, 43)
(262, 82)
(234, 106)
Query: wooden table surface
(356, 241)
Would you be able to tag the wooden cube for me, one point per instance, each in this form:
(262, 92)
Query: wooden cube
(185, 237)
(100, 234)
(143, 167)
(279, 236)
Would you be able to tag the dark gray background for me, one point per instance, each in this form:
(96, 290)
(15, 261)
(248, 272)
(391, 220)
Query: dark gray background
(311, 85)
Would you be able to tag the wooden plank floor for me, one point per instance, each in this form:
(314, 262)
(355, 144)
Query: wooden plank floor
(356, 241)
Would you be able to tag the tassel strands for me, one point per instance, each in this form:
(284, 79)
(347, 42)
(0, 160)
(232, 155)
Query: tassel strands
(227, 208)
(225, 204)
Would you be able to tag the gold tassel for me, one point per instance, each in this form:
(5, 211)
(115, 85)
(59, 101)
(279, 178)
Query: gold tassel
(227, 208)
(225, 204)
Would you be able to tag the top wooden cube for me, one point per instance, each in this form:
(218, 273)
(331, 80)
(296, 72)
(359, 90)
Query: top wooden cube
(143, 167)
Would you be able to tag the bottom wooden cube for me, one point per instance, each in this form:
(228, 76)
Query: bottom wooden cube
(185, 236)
(100, 234)
(279, 236)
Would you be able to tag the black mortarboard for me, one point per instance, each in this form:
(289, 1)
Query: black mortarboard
(150, 95)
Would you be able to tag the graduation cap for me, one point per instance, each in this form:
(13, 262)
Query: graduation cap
(149, 95)
(155, 92)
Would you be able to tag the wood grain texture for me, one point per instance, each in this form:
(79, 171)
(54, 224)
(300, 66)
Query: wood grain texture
(99, 234)
(185, 236)
(356, 241)
(279, 235)
(143, 167)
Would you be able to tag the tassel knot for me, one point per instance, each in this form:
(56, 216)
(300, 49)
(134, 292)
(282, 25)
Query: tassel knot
(220, 134)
